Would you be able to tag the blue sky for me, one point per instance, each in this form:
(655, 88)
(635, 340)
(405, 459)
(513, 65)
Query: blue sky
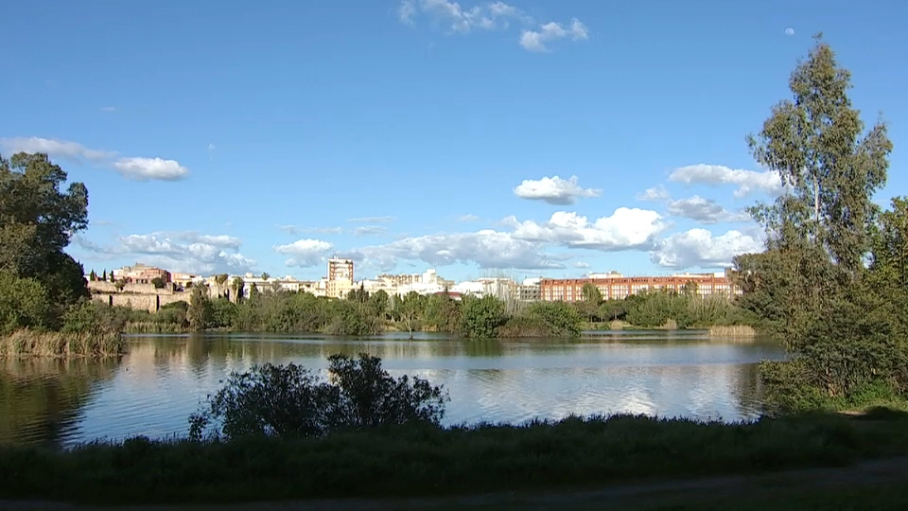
(229, 136)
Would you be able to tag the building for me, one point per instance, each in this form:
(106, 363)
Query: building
(614, 286)
(529, 290)
(340, 277)
(141, 274)
(184, 280)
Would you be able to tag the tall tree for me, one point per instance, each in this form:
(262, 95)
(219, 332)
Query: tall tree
(37, 221)
(830, 167)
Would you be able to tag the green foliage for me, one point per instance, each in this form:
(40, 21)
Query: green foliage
(291, 401)
(238, 287)
(37, 220)
(350, 318)
(158, 283)
(200, 311)
(481, 317)
(591, 294)
(224, 313)
(23, 303)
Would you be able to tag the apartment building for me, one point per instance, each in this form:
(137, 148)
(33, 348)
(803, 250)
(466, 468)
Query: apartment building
(614, 286)
(340, 277)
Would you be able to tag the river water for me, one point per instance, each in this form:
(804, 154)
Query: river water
(153, 389)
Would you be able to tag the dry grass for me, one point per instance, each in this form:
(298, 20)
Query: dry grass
(29, 343)
(732, 331)
(152, 327)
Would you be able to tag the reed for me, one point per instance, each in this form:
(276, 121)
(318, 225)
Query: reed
(152, 327)
(732, 331)
(30, 343)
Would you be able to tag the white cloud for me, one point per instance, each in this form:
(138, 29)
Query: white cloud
(292, 229)
(369, 230)
(657, 193)
(581, 264)
(305, 253)
(789, 31)
(626, 229)
(145, 169)
(747, 181)
(460, 19)
(468, 218)
(63, 149)
(703, 210)
(554, 190)
(185, 251)
(372, 219)
(536, 40)
(699, 248)
(490, 16)
(135, 168)
(485, 248)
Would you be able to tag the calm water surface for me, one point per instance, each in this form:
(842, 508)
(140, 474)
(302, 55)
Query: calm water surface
(152, 390)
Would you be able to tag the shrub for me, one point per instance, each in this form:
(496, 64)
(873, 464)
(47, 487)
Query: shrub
(289, 400)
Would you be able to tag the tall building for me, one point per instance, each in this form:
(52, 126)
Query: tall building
(340, 277)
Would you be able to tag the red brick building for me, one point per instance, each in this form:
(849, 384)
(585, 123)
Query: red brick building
(615, 286)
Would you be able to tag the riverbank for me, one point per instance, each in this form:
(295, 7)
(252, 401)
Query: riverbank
(419, 462)
(30, 343)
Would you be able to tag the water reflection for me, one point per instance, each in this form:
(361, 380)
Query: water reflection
(153, 389)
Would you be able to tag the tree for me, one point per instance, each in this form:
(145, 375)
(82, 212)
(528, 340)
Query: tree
(237, 286)
(221, 279)
(158, 283)
(481, 317)
(816, 144)
(37, 221)
(378, 304)
(93, 276)
(23, 303)
(265, 276)
(200, 311)
(409, 311)
(104, 276)
(591, 294)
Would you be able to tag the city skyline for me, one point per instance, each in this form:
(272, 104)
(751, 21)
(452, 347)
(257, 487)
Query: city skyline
(470, 137)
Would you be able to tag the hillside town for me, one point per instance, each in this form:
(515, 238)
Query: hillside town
(150, 288)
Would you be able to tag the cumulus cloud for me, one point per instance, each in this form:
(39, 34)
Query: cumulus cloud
(747, 181)
(789, 31)
(145, 169)
(625, 229)
(184, 251)
(703, 210)
(134, 168)
(305, 253)
(699, 248)
(537, 40)
(486, 248)
(657, 193)
(490, 16)
(554, 190)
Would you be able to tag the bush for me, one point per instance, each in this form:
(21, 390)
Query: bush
(291, 401)
(481, 317)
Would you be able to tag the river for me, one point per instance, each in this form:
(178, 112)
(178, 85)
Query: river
(154, 388)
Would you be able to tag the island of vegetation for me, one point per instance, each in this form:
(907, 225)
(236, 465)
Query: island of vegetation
(831, 285)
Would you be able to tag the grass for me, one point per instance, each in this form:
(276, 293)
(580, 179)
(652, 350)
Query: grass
(423, 461)
(31, 343)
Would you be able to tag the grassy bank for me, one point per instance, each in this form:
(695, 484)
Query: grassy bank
(732, 331)
(30, 343)
(411, 461)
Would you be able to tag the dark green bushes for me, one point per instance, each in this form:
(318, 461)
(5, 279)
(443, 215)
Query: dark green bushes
(291, 401)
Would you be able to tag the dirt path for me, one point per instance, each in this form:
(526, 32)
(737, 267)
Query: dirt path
(889, 471)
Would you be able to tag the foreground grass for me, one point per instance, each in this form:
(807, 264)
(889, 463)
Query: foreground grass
(424, 461)
(30, 343)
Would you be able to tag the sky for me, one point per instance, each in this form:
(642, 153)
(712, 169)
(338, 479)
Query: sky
(528, 137)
